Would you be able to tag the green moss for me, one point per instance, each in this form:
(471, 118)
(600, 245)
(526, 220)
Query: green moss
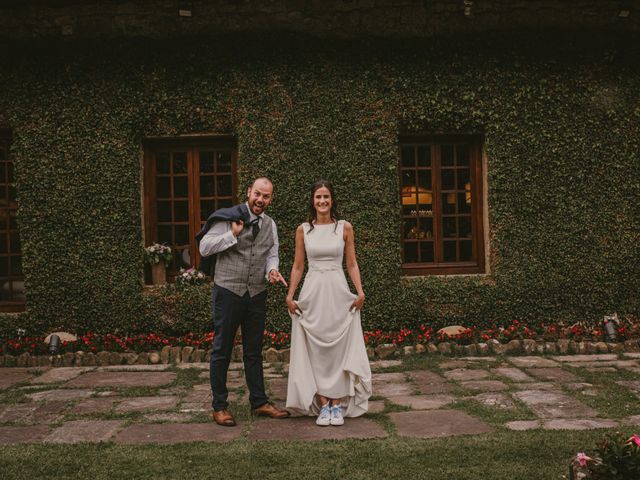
(559, 116)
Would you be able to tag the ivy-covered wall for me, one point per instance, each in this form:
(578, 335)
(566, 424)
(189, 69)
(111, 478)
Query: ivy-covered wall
(560, 115)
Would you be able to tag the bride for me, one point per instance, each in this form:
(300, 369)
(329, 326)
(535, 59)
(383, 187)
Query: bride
(329, 373)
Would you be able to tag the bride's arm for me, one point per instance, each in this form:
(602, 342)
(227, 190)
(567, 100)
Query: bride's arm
(296, 270)
(352, 265)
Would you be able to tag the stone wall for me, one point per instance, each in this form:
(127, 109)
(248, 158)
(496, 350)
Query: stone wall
(29, 19)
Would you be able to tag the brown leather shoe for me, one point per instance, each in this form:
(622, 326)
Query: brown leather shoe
(224, 418)
(270, 410)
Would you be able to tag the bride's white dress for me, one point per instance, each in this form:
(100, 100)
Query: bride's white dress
(328, 355)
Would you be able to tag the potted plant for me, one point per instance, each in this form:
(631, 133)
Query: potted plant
(158, 256)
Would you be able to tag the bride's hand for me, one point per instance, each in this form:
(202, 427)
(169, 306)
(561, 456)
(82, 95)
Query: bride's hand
(357, 303)
(293, 307)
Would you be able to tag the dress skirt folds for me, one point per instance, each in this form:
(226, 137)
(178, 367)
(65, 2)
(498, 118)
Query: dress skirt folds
(328, 355)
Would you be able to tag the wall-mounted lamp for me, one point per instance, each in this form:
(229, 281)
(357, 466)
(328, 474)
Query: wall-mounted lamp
(610, 323)
(467, 4)
(54, 344)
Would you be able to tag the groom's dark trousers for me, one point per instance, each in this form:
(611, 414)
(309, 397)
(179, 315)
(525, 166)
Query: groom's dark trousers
(231, 311)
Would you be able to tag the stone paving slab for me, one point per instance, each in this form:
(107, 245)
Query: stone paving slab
(94, 405)
(140, 404)
(532, 361)
(134, 368)
(586, 358)
(433, 388)
(392, 389)
(121, 379)
(553, 374)
(305, 428)
(423, 402)
(77, 431)
(437, 423)
(537, 386)
(198, 365)
(278, 388)
(61, 374)
(17, 412)
(513, 374)
(633, 385)
(613, 363)
(33, 412)
(485, 385)
(495, 399)
(395, 377)
(426, 376)
(168, 433)
(479, 359)
(55, 394)
(634, 420)
(171, 417)
(9, 377)
(453, 364)
(462, 374)
(554, 404)
(635, 355)
(385, 364)
(30, 434)
(376, 406)
(562, 424)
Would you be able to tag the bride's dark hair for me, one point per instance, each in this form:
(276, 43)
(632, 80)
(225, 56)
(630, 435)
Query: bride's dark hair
(311, 210)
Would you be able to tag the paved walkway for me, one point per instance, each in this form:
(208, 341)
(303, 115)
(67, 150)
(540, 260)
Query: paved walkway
(140, 404)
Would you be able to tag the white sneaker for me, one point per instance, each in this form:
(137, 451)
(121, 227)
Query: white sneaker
(324, 418)
(336, 415)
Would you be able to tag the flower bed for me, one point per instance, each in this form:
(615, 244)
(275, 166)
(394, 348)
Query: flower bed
(627, 331)
(617, 457)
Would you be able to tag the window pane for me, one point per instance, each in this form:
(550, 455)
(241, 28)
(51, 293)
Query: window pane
(183, 258)
(426, 252)
(13, 225)
(411, 228)
(164, 211)
(224, 185)
(449, 227)
(425, 197)
(3, 172)
(4, 247)
(206, 162)
(464, 179)
(4, 266)
(446, 155)
(462, 155)
(224, 203)
(163, 187)
(224, 162)
(448, 203)
(18, 290)
(424, 156)
(464, 226)
(464, 202)
(410, 252)
(181, 211)
(407, 157)
(448, 179)
(162, 162)
(207, 186)
(449, 251)
(14, 240)
(465, 251)
(12, 194)
(164, 234)
(180, 187)
(16, 266)
(182, 234)
(206, 208)
(10, 172)
(180, 162)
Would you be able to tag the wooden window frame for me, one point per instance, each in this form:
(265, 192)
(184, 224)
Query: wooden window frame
(439, 267)
(8, 306)
(190, 145)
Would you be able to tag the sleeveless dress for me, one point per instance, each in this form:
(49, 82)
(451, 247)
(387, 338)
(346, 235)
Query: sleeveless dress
(328, 355)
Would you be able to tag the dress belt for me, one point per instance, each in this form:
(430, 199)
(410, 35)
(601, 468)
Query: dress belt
(323, 268)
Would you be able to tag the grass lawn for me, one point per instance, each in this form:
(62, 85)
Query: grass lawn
(500, 455)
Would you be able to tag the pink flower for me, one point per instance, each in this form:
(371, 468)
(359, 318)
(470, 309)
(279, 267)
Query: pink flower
(582, 459)
(635, 439)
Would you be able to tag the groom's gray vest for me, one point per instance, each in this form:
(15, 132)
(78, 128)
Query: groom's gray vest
(242, 267)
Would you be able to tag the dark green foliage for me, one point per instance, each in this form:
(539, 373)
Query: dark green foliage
(559, 114)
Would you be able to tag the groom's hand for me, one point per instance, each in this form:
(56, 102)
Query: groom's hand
(236, 227)
(275, 277)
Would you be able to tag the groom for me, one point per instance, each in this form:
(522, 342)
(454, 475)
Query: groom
(245, 242)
